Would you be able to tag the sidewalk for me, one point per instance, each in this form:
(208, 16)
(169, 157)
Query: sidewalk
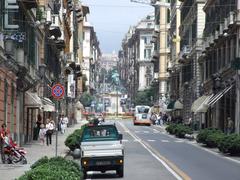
(36, 150)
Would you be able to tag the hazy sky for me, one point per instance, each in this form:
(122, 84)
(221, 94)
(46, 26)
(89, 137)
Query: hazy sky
(112, 18)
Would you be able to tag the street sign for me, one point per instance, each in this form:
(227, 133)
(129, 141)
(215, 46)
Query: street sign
(58, 91)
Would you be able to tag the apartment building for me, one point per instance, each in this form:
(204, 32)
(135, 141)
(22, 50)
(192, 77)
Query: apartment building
(191, 32)
(137, 53)
(219, 65)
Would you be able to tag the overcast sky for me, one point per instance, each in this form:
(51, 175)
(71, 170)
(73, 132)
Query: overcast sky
(112, 18)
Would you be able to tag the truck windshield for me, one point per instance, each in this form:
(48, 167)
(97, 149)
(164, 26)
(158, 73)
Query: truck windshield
(100, 133)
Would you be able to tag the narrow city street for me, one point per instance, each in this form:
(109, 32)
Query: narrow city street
(152, 154)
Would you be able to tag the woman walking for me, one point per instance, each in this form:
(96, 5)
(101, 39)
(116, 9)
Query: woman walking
(50, 128)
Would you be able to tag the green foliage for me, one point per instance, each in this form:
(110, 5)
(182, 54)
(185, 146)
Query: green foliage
(73, 140)
(53, 168)
(86, 99)
(230, 144)
(171, 128)
(214, 139)
(179, 130)
(41, 161)
(39, 14)
(204, 133)
(146, 97)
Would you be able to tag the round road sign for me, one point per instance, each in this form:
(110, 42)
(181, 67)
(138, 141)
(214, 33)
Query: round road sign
(58, 91)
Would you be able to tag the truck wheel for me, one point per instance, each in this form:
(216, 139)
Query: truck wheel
(120, 171)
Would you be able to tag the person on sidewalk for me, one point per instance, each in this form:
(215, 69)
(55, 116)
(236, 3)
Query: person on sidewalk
(42, 133)
(3, 133)
(64, 122)
(49, 132)
(230, 126)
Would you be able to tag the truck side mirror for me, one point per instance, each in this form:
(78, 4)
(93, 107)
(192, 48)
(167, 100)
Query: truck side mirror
(120, 136)
(76, 153)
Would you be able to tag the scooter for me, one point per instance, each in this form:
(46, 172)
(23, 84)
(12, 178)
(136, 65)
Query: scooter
(13, 154)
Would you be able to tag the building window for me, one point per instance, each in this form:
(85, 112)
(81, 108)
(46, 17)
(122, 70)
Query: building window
(11, 14)
(147, 53)
(168, 15)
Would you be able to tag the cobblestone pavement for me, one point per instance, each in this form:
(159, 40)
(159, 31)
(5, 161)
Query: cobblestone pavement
(36, 150)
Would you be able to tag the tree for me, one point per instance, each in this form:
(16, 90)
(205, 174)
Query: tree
(86, 99)
(146, 97)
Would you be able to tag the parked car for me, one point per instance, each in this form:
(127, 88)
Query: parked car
(142, 115)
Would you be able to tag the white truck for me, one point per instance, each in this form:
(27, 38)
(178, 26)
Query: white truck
(102, 149)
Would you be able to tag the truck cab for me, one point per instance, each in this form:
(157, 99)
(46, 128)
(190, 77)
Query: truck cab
(101, 149)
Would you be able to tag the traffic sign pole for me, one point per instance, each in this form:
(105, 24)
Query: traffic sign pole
(58, 93)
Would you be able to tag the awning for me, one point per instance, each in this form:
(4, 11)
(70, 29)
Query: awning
(178, 105)
(33, 100)
(48, 105)
(200, 104)
(218, 96)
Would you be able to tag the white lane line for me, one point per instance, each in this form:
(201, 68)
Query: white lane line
(164, 140)
(152, 153)
(155, 131)
(146, 132)
(179, 141)
(151, 140)
(136, 131)
(125, 140)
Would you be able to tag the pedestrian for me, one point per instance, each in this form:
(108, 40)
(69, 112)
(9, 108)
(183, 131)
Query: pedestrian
(169, 119)
(49, 132)
(153, 118)
(64, 122)
(159, 119)
(230, 125)
(3, 133)
(42, 133)
(37, 127)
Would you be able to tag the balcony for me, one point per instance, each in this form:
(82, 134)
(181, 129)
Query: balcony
(183, 55)
(29, 4)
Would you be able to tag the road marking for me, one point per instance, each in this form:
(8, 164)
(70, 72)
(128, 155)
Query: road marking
(164, 140)
(178, 141)
(151, 140)
(137, 131)
(125, 140)
(146, 131)
(155, 131)
(172, 168)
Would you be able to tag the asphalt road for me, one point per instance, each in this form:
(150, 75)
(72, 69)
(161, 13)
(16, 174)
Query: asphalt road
(186, 157)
